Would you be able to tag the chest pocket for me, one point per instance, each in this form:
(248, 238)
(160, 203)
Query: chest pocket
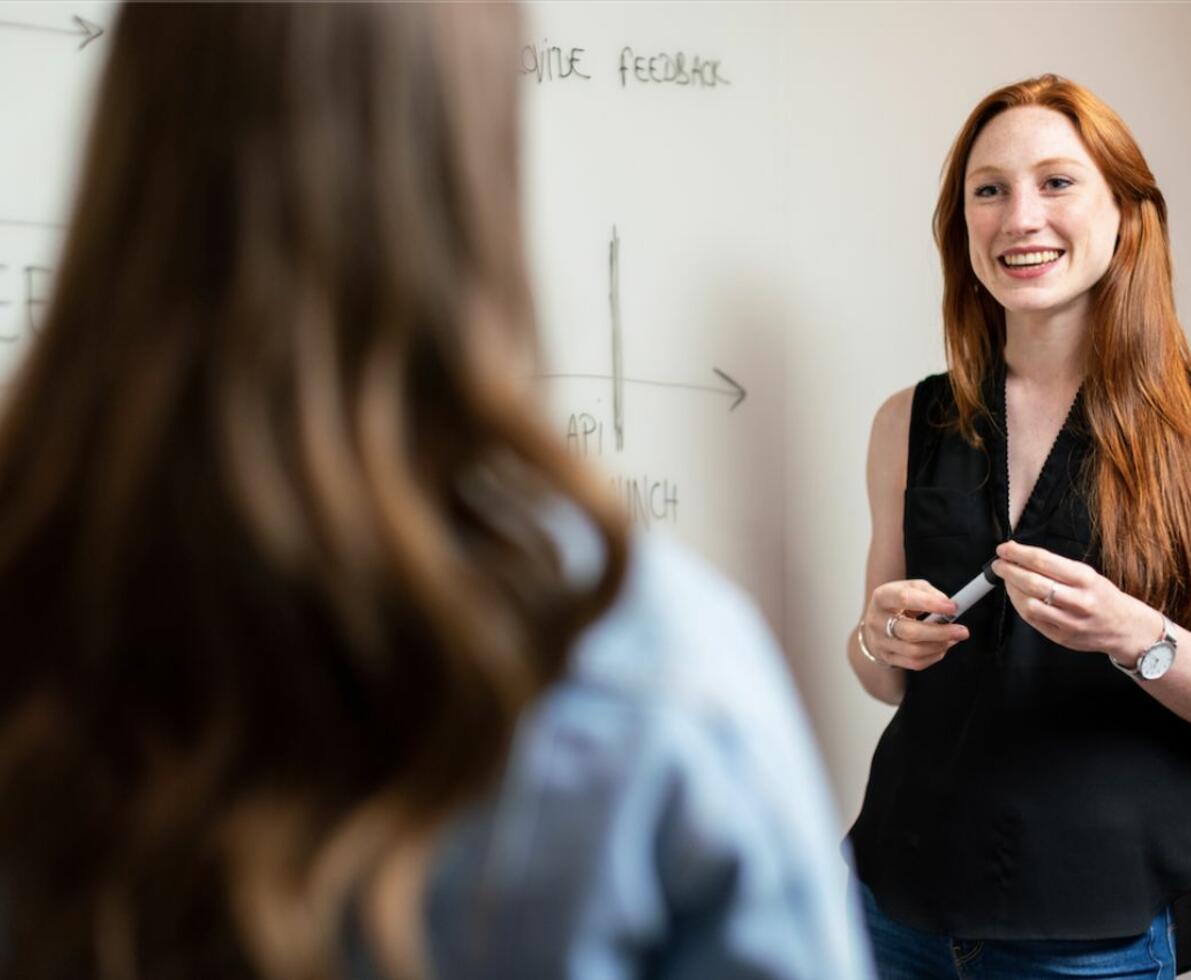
(1067, 530)
(945, 535)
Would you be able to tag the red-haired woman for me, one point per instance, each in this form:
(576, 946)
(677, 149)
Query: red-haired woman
(1027, 809)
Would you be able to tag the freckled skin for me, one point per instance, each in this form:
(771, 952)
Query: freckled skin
(1030, 182)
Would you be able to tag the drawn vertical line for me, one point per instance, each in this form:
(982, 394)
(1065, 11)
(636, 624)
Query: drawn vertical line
(617, 350)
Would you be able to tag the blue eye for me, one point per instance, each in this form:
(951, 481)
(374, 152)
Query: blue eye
(985, 190)
(1058, 183)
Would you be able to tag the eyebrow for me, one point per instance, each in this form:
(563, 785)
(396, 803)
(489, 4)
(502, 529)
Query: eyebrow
(1041, 164)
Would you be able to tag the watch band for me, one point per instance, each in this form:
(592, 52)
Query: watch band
(1167, 637)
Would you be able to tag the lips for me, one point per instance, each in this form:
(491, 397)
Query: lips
(1030, 258)
(1029, 263)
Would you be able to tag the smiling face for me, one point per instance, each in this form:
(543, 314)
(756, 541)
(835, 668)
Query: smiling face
(1042, 222)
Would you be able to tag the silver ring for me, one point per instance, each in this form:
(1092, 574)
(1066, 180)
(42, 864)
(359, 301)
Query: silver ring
(1050, 596)
(890, 624)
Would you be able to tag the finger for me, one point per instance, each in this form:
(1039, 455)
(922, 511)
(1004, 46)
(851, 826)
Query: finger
(918, 631)
(1050, 620)
(1038, 614)
(1046, 563)
(914, 656)
(920, 596)
(909, 650)
(1033, 584)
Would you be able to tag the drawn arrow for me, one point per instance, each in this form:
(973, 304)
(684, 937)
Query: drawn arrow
(83, 28)
(736, 391)
(741, 394)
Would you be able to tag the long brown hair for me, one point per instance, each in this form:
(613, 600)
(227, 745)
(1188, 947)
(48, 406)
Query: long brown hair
(1136, 392)
(273, 568)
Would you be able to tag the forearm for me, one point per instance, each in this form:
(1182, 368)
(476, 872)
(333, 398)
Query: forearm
(1140, 629)
(883, 683)
(1174, 689)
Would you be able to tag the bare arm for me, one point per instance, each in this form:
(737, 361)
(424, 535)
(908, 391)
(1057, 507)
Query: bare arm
(917, 645)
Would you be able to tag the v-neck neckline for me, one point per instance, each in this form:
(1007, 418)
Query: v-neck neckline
(1037, 503)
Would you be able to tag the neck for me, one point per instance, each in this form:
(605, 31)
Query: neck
(1047, 348)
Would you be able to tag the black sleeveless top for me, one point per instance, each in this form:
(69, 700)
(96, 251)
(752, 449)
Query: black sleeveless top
(1022, 790)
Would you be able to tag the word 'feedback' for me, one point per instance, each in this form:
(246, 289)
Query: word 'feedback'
(675, 69)
(548, 62)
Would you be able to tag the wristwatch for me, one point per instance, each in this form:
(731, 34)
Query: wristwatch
(1155, 661)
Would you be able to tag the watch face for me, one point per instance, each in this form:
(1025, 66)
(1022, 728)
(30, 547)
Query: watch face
(1156, 661)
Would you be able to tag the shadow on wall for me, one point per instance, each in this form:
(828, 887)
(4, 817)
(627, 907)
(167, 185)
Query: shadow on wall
(826, 434)
(747, 486)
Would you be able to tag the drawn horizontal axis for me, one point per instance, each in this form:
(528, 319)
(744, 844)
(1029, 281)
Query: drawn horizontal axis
(22, 223)
(737, 390)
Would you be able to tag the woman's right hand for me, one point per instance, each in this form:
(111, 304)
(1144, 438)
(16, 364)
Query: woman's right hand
(915, 645)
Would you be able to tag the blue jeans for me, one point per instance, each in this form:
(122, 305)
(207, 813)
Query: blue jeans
(903, 953)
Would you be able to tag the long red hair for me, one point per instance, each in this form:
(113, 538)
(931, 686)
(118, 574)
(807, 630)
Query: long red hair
(1136, 392)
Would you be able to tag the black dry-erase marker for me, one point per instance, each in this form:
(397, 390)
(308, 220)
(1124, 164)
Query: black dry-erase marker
(970, 594)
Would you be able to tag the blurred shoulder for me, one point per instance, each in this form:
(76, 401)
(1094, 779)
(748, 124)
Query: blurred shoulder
(679, 630)
(682, 661)
(668, 777)
(677, 624)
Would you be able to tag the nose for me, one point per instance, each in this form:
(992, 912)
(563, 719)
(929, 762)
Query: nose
(1026, 212)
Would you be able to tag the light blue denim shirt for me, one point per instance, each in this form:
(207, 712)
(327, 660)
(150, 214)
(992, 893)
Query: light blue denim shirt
(664, 813)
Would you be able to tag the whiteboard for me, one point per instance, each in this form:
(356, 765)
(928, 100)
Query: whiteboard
(50, 57)
(655, 206)
(728, 208)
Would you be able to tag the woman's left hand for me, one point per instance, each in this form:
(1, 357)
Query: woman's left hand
(1072, 604)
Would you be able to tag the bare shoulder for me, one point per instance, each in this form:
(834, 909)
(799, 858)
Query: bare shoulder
(889, 438)
(893, 417)
(888, 449)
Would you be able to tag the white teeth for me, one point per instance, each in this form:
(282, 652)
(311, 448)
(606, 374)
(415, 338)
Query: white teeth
(1031, 258)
